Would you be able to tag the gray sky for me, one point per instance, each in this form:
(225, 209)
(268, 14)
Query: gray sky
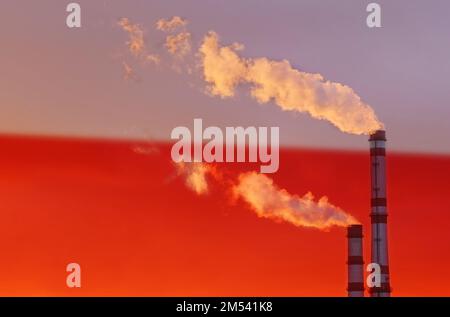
(62, 81)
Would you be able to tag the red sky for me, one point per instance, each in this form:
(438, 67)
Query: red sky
(136, 230)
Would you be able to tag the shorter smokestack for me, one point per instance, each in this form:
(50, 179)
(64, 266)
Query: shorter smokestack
(355, 261)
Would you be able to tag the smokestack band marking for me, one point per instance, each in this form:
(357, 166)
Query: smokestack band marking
(355, 262)
(379, 242)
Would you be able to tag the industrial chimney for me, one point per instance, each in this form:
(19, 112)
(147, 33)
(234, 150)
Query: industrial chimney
(379, 242)
(355, 261)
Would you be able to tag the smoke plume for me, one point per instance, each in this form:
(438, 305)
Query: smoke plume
(136, 34)
(128, 71)
(196, 175)
(136, 44)
(169, 25)
(289, 88)
(269, 80)
(223, 69)
(179, 44)
(269, 201)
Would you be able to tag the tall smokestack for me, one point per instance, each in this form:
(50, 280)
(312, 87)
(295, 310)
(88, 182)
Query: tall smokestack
(355, 261)
(378, 215)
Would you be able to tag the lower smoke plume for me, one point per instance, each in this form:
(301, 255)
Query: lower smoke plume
(195, 175)
(269, 201)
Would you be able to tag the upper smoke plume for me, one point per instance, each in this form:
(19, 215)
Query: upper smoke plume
(136, 34)
(269, 201)
(222, 66)
(128, 71)
(136, 43)
(288, 87)
(179, 44)
(170, 25)
(269, 80)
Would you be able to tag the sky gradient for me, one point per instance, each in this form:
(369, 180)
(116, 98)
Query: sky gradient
(86, 174)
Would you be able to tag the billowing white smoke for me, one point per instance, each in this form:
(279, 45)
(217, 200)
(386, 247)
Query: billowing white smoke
(169, 25)
(196, 175)
(136, 34)
(179, 44)
(136, 44)
(269, 80)
(269, 201)
(289, 88)
(222, 66)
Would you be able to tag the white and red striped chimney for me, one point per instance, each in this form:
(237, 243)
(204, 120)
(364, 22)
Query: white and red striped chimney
(379, 241)
(355, 261)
